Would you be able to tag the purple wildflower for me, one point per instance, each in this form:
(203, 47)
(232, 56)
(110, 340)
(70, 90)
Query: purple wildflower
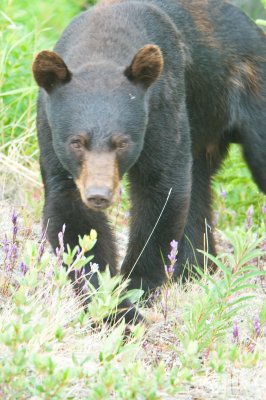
(60, 250)
(61, 237)
(11, 255)
(6, 246)
(249, 219)
(23, 268)
(14, 253)
(257, 326)
(264, 245)
(173, 253)
(263, 209)
(235, 332)
(14, 217)
(170, 269)
(223, 194)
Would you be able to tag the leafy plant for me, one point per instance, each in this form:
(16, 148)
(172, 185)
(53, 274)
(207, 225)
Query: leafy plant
(211, 314)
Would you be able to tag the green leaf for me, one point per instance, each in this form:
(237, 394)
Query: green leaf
(216, 261)
(241, 300)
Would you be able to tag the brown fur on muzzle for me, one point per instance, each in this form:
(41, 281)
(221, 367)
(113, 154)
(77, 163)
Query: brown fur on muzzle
(99, 172)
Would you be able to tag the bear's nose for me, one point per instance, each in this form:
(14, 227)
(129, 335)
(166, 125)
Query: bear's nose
(98, 197)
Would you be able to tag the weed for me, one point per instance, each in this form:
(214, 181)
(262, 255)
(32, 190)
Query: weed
(209, 316)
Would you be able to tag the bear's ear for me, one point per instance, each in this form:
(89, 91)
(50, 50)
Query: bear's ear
(49, 69)
(146, 66)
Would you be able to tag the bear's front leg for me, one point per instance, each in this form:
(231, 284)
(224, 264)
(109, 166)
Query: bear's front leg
(160, 203)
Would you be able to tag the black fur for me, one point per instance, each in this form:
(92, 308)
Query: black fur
(212, 92)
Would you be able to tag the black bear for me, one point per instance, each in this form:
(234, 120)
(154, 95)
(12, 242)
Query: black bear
(158, 89)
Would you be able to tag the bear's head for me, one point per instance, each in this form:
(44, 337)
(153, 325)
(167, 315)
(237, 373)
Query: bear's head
(98, 115)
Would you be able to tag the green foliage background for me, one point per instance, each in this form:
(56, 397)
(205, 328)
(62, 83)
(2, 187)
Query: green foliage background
(26, 27)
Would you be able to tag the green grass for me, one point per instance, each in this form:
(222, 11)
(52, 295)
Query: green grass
(25, 28)
(235, 192)
(51, 349)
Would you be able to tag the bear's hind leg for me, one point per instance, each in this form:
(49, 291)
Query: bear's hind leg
(198, 231)
(253, 136)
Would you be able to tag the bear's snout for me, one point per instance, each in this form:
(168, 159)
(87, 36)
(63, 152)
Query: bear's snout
(98, 179)
(98, 198)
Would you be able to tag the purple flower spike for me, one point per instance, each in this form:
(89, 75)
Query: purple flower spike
(61, 237)
(169, 269)
(249, 219)
(6, 246)
(250, 211)
(174, 245)
(263, 209)
(257, 326)
(23, 268)
(11, 252)
(173, 253)
(14, 217)
(235, 332)
(14, 252)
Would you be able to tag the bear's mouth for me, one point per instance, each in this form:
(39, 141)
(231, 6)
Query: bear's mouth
(98, 179)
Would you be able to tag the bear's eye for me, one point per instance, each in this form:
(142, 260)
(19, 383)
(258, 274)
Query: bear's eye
(76, 144)
(120, 143)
